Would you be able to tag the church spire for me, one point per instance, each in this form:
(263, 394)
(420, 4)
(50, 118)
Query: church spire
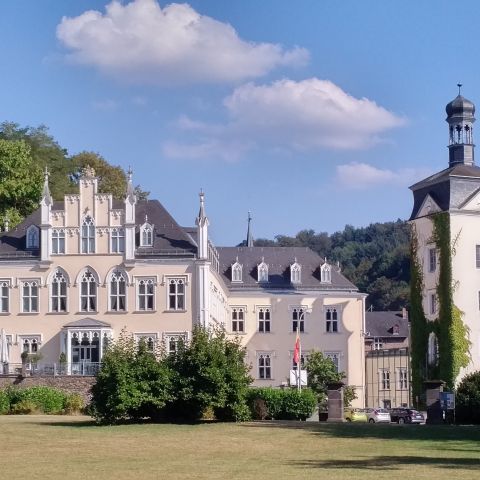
(249, 231)
(460, 118)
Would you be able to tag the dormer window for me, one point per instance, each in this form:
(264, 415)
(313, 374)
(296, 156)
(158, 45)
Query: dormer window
(262, 270)
(295, 272)
(32, 237)
(146, 235)
(326, 273)
(396, 329)
(237, 272)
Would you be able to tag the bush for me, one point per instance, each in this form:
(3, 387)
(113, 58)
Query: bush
(282, 404)
(468, 399)
(47, 399)
(74, 403)
(4, 402)
(24, 407)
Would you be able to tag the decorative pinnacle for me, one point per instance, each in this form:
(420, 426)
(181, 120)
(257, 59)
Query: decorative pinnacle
(459, 85)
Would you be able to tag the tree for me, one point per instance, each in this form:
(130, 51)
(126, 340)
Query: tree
(210, 375)
(132, 383)
(468, 399)
(20, 182)
(111, 179)
(320, 372)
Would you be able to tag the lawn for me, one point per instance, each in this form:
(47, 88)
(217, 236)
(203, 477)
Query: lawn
(53, 447)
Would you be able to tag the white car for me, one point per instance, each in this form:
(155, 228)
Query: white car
(378, 415)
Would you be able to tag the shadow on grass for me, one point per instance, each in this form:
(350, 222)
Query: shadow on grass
(440, 433)
(392, 463)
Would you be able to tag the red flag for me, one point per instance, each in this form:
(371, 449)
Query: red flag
(296, 352)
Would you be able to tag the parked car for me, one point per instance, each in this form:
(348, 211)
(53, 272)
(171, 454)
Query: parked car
(354, 414)
(378, 415)
(406, 415)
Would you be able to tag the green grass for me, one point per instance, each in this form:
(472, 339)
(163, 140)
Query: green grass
(52, 447)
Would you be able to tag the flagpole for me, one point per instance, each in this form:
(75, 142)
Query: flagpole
(299, 365)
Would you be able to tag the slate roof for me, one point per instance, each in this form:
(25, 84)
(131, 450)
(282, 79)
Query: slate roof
(380, 324)
(449, 188)
(278, 260)
(168, 239)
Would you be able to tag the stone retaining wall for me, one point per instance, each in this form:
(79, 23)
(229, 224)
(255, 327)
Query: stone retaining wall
(66, 383)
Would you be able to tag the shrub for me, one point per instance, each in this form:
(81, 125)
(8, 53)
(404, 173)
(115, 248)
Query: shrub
(24, 407)
(47, 399)
(282, 404)
(4, 402)
(468, 399)
(74, 403)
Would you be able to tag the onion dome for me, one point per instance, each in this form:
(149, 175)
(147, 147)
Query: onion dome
(460, 106)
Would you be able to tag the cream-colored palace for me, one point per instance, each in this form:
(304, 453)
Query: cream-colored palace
(77, 272)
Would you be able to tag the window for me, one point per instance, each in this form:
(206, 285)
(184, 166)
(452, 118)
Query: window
(326, 273)
(58, 240)
(118, 295)
(377, 343)
(58, 292)
(238, 320)
(295, 273)
(303, 360)
(262, 270)
(335, 358)
(331, 320)
(173, 341)
(30, 296)
(176, 294)
(88, 235)
(236, 272)
(4, 297)
(298, 319)
(477, 255)
(433, 304)
(146, 235)
(30, 345)
(432, 259)
(32, 237)
(149, 339)
(402, 377)
(264, 366)
(117, 240)
(88, 293)
(264, 320)
(146, 294)
(384, 379)
(433, 352)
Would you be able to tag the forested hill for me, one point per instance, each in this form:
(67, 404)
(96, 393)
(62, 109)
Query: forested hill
(374, 258)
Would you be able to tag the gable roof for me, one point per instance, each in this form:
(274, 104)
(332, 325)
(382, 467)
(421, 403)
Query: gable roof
(380, 324)
(279, 260)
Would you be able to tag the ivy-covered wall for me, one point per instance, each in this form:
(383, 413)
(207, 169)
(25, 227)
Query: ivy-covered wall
(449, 328)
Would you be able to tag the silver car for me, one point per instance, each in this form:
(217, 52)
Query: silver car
(378, 415)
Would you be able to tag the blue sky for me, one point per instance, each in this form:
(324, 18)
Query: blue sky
(310, 114)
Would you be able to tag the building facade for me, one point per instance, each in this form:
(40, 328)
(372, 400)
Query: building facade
(74, 274)
(445, 223)
(387, 360)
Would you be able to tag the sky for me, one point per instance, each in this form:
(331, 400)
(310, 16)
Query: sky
(310, 114)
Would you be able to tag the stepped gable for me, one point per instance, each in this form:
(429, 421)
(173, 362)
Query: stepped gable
(279, 260)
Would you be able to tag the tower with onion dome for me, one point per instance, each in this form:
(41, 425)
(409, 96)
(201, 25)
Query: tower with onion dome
(445, 260)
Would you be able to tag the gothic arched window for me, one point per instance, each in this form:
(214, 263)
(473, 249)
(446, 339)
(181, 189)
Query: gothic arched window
(88, 235)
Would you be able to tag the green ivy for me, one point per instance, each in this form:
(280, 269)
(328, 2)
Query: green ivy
(451, 332)
(453, 343)
(419, 325)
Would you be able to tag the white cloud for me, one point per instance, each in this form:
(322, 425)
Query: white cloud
(308, 115)
(362, 175)
(142, 42)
